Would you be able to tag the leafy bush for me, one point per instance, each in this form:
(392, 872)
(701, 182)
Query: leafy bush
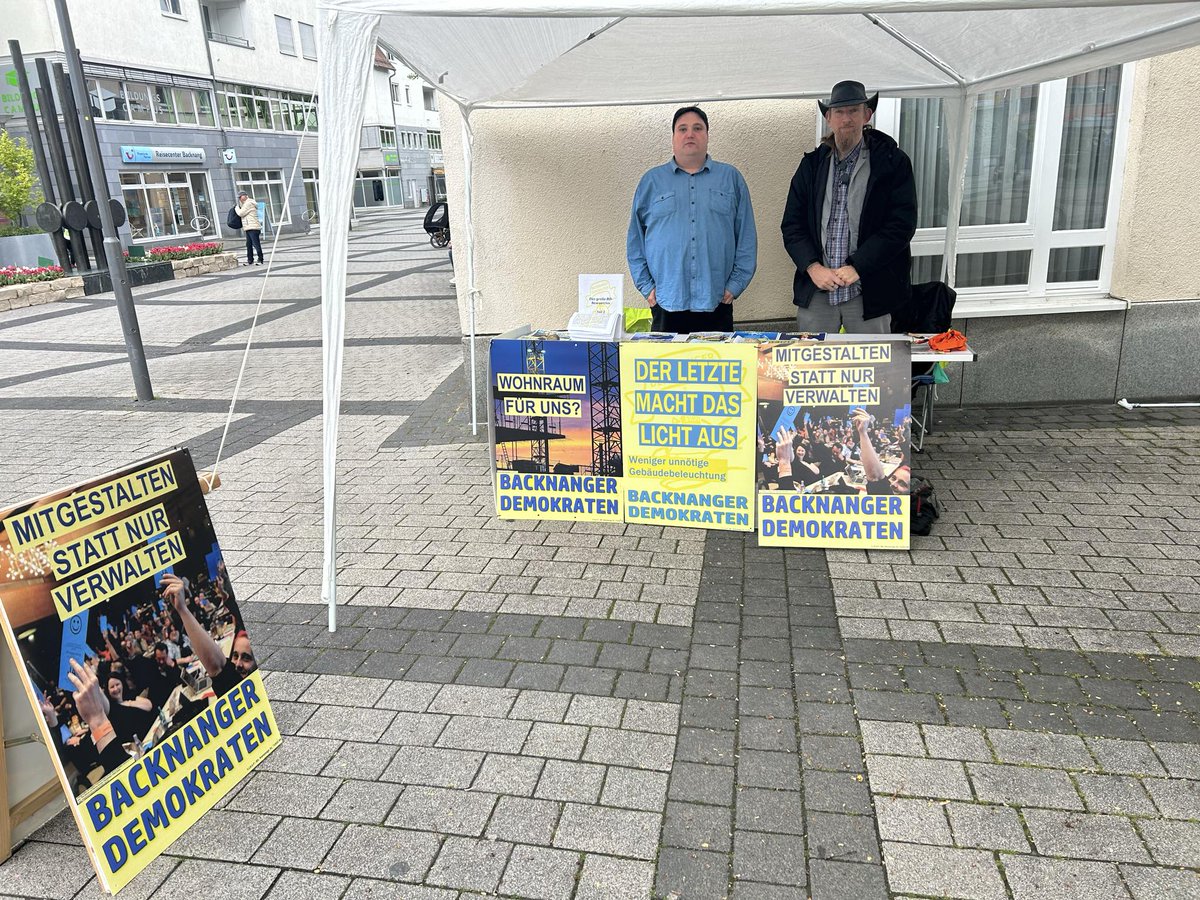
(206, 248)
(14, 230)
(24, 274)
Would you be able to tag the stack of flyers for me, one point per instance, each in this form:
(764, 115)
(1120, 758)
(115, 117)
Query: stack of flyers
(546, 334)
(709, 337)
(803, 336)
(657, 337)
(750, 337)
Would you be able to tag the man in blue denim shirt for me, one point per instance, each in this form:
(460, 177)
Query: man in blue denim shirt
(692, 247)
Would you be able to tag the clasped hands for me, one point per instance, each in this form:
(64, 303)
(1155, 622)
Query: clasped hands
(827, 279)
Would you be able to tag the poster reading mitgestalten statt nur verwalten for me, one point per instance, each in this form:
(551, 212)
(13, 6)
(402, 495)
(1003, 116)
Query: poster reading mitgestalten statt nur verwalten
(116, 603)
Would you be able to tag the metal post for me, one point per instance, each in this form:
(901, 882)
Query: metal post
(70, 114)
(39, 150)
(58, 157)
(112, 243)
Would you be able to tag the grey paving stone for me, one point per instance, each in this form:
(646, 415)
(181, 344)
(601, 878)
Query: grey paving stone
(690, 873)
(540, 873)
(770, 858)
(198, 877)
(833, 880)
(1147, 883)
(347, 723)
(299, 844)
(481, 733)
(634, 749)
(947, 742)
(504, 774)
(579, 782)
(1037, 878)
(364, 802)
(831, 753)
(372, 851)
(1085, 835)
(912, 821)
(635, 789)
(556, 741)
(1118, 794)
(921, 869)
(842, 837)
(1172, 843)
(693, 826)
(434, 766)
(616, 832)
(698, 783)
(1181, 760)
(782, 812)
(463, 700)
(1176, 798)
(905, 776)
(1060, 751)
(603, 711)
(1125, 757)
(222, 834)
(469, 864)
(308, 886)
(284, 795)
(524, 820)
(1022, 786)
(608, 878)
(987, 827)
(761, 734)
(46, 870)
(541, 706)
(442, 810)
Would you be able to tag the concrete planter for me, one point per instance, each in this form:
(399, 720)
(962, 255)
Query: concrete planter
(34, 293)
(24, 249)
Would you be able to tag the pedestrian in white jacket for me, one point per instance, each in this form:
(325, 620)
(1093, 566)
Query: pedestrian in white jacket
(247, 210)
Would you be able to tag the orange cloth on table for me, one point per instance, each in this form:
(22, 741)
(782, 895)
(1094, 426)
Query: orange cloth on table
(947, 341)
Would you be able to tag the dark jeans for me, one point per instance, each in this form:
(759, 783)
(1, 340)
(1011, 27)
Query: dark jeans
(686, 321)
(253, 242)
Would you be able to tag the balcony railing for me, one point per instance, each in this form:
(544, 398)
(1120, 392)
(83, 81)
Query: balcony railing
(219, 38)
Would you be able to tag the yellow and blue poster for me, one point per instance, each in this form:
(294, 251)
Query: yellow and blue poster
(688, 416)
(118, 608)
(556, 429)
(833, 443)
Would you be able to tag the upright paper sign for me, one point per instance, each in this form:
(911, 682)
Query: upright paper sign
(688, 416)
(556, 409)
(602, 294)
(833, 443)
(116, 604)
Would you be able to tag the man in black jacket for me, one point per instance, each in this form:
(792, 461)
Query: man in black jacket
(851, 213)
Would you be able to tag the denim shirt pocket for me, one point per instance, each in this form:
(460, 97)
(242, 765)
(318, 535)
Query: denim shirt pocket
(721, 202)
(661, 206)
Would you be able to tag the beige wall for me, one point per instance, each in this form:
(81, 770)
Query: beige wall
(553, 188)
(1160, 217)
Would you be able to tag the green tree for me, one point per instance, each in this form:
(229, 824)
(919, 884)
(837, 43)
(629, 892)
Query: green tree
(18, 177)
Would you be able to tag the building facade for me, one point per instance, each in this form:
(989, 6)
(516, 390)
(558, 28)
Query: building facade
(207, 98)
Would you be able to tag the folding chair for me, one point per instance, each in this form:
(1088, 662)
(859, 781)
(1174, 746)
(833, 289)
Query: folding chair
(929, 312)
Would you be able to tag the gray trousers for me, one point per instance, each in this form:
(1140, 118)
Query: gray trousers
(820, 316)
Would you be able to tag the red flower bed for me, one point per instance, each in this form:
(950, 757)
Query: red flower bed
(24, 274)
(204, 248)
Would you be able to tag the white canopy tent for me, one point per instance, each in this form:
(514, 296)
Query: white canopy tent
(555, 53)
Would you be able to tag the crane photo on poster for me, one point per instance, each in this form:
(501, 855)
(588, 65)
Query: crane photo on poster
(118, 608)
(556, 429)
(833, 460)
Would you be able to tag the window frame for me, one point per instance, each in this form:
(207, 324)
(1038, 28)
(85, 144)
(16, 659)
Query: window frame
(163, 181)
(291, 34)
(1036, 234)
(311, 45)
(249, 179)
(172, 9)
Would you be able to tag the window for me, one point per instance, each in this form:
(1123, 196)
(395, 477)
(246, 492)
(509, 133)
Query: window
(395, 93)
(308, 41)
(312, 195)
(1039, 201)
(283, 30)
(407, 98)
(117, 101)
(266, 186)
(430, 99)
(170, 8)
(387, 137)
(435, 140)
(137, 98)
(107, 99)
(168, 204)
(241, 106)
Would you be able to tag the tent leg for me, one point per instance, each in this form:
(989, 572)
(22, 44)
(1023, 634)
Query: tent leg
(469, 223)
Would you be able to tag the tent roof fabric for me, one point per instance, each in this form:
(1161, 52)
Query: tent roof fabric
(547, 54)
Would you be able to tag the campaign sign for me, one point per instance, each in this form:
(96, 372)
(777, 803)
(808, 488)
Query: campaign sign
(556, 427)
(833, 456)
(153, 706)
(688, 417)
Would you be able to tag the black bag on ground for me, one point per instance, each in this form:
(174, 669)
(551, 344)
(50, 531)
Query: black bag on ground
(923, 506)
(233, 220)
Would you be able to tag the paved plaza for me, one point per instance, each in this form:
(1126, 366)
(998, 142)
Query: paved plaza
(600, 712)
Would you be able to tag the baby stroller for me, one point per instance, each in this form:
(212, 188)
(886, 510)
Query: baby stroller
(437, 223)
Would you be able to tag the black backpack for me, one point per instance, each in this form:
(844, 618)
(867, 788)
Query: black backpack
(923, 507)
(233, 220)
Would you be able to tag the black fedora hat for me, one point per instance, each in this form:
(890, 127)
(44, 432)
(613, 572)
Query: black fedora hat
(848, 93)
